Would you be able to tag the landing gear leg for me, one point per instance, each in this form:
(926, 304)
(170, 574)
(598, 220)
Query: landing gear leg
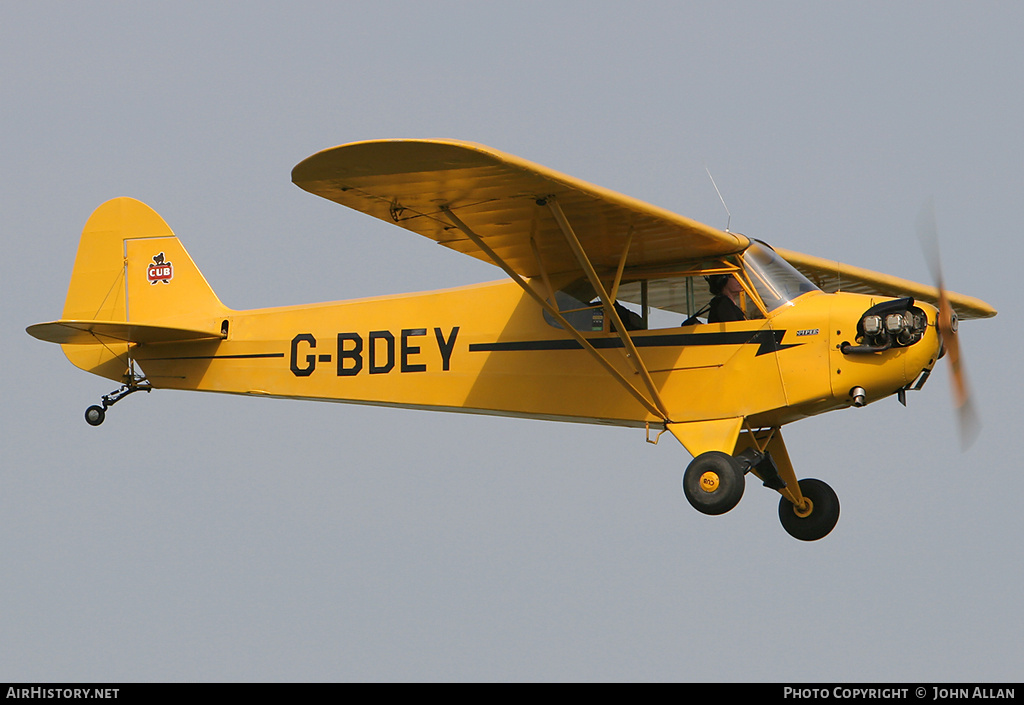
(94, 415)
(808, 509)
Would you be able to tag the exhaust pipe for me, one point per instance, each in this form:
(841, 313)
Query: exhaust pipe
(859, 396)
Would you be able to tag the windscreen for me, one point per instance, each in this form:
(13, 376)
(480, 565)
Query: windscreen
(777, 282)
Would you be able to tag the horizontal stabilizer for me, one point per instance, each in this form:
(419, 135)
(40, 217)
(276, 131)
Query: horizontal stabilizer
(92, 332)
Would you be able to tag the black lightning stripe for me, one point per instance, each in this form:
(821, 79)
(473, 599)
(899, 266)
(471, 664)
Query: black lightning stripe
(768, 341)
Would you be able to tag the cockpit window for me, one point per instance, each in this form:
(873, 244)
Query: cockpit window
(684, 297)
(777, 282)
(645, 304)
(574, 303)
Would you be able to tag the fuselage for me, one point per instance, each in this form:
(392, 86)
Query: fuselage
(488, 349)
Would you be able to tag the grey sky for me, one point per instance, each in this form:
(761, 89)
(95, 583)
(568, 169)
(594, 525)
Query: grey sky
(201, 537)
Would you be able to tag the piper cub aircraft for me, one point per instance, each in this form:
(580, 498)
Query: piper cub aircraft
(614, 312)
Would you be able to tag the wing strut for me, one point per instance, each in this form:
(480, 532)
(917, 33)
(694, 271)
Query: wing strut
(607, 302)
(655, 409)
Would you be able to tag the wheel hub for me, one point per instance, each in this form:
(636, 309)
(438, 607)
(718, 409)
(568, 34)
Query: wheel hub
(804, 511)
(709, 481)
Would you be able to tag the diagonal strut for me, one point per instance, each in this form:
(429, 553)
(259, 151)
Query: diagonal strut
(607, 302)
(655, 409)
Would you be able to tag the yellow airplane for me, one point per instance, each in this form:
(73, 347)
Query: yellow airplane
(607, 316)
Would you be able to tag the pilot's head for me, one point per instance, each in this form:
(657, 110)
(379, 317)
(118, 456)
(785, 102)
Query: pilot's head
(717, 282)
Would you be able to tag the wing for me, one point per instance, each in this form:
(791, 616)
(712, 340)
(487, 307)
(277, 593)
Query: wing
(501, 198)
(834, 276)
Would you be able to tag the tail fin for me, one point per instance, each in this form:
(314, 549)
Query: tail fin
(132, 282)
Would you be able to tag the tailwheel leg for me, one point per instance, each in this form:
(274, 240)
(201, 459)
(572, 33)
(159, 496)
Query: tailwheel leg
(95, 415)
(815, 516)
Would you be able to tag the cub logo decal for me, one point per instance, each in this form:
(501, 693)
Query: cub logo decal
(159, 270)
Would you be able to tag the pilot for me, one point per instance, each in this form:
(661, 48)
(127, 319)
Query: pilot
(725, 305)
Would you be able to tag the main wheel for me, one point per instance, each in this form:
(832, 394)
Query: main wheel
(713, 482)
(820, 520)
(94, 415)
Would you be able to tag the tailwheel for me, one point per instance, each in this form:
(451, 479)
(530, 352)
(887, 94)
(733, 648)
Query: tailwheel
(817, 517)
(94, 415)
(713, 482)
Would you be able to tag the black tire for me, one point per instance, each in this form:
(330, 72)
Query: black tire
(823, 516)
(94, 415)
(713, 482)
